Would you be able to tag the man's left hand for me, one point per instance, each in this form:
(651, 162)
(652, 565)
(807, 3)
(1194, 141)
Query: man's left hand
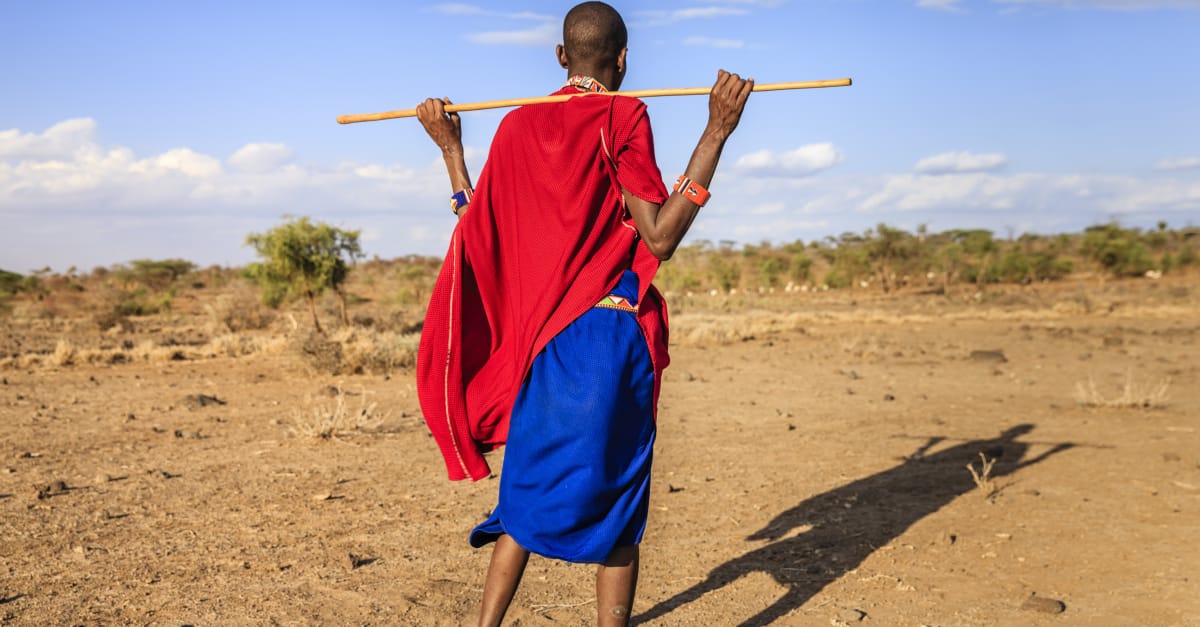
(444, 128)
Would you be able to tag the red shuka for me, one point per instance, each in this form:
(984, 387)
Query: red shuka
(546, 236)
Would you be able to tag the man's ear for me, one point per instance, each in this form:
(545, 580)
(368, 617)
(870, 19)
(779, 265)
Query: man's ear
(561, 53)
(621, 61)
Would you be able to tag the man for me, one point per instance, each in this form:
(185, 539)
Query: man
(544, 332)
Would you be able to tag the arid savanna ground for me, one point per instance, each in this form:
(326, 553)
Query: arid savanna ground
(811, 467)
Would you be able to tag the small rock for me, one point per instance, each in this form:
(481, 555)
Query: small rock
(1045, 605)
(672, 489)
(357, 561)
(103, 477)
(330, 390)
(851, 615)
(54, 489)
(853, 375)
(197, 401)
(689, 377)
(992, 356)
(791, 427)
(889, 397)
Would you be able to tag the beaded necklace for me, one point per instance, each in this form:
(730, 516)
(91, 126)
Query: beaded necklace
(586, 83)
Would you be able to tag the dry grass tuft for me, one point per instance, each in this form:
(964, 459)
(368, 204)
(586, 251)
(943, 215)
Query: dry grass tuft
(1133, 395)
(721, 327)
(983, 477)
(244, 345)
(239, 310)
(327, 422)
(353, 350)
(64, 353)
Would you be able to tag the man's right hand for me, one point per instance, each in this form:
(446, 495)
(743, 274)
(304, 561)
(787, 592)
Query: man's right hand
(726, 102)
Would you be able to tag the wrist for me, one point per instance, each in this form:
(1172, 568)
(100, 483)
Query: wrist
(714, 135)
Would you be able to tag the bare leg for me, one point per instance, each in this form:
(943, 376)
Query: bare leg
(616, 581)
(504, 573)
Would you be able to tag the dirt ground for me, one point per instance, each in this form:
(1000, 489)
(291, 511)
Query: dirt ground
(811, 469)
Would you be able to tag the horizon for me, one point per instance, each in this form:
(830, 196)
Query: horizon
(147, 131)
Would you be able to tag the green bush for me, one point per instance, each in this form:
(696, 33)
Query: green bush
(1119, 251)
(800, 268)
(10, 283)
(153, 274)
(726, 270)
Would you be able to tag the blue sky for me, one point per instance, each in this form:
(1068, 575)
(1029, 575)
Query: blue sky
(167, 129)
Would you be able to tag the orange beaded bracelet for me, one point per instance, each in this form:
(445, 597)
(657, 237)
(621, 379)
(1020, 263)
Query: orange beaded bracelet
(692, 190)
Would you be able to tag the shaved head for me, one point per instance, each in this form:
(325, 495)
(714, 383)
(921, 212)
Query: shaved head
(594, 33)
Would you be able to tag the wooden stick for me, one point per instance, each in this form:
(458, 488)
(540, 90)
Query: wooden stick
(642, 93)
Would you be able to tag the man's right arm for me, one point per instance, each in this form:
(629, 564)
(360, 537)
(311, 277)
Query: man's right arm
(663, 227)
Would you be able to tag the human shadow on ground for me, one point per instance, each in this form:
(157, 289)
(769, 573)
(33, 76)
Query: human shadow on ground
(849, 523)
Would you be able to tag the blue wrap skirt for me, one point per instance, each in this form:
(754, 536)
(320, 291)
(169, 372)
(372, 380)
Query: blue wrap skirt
(575, 483)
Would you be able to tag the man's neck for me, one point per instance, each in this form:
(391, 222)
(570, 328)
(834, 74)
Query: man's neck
(607, 77)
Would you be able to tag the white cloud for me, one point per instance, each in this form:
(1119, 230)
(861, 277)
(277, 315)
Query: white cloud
(85, 203)
(756, 3)
(950, 6)
(1114, 5)
(663, 18)
(802, 161)
(460, 9)
(543, 35)
(954, 162)
(80, 175)
(768, 208)
(1182, 163)
(713, 42)
(749, 208)
(68, 200)
(704, 12)
(772, 229)
(1032, 194)
(57, 142)
(182, 160)
(261, 158)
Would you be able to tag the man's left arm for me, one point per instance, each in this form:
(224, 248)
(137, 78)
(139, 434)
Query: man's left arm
(445, 129)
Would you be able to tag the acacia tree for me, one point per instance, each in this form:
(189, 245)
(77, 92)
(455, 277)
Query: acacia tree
(301, 258)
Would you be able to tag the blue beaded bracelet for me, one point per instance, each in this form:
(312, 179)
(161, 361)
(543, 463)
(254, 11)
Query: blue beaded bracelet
(459, 200)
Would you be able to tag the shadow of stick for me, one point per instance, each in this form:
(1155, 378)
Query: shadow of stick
(849, 523)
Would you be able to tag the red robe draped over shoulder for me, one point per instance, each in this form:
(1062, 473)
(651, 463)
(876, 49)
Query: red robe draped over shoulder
(545, 237)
